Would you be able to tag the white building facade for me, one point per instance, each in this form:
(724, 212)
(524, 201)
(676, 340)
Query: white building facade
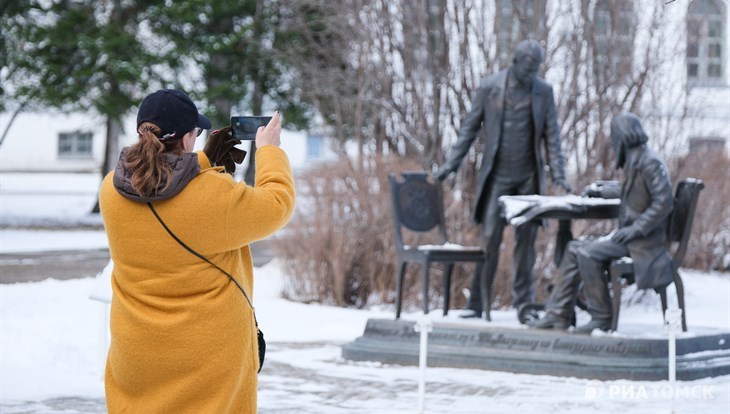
(76, 142)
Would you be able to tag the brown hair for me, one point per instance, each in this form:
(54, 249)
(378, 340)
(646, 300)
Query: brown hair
(146, 159)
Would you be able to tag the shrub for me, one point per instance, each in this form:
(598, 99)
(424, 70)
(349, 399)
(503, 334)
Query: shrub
(709, 243)
(338, 247)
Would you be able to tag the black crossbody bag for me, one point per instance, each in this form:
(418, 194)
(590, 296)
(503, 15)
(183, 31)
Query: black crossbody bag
(259, 334)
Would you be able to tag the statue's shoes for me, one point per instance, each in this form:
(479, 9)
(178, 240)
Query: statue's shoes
(529, 315)
(601, 324)
(550, 321)
(471, 314)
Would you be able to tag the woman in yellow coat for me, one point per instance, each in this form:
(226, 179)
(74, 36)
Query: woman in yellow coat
(183, 336)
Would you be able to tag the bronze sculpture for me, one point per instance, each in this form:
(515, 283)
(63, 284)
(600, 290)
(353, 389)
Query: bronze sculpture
(646, 202)
(517, 113)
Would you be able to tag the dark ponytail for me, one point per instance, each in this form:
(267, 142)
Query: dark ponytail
(146, 160)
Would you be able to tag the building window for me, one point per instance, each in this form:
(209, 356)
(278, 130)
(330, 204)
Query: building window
(517, 20)
(706, 48)
(314, 146)
(614, 26)
(75, 144)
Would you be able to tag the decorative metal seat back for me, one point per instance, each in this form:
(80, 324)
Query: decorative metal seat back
(682, 218)
(418, 207)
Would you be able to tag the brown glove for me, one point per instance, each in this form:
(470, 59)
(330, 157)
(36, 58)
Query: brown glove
(221, 151)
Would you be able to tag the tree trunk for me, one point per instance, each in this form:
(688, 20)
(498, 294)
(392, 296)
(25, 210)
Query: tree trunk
(257, 100)
(111, 153)
(12, 119)
(256, 106)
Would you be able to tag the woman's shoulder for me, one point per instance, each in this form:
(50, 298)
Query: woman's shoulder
(216, 178)
(107, 182)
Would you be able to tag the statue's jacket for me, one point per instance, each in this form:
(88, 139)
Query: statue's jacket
(646, 203)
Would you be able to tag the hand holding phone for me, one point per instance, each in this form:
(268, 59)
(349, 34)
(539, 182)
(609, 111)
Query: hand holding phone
(245, 127)
(271, 133)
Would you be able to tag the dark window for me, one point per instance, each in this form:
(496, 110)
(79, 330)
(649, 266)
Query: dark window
(517, 20)
(65, 144)
(692, 70)
(714, 50)
(83, 144)
(614, 25)
(706, 47)
(714, 70)
(692, 50)
(714, 28)
(75, 144)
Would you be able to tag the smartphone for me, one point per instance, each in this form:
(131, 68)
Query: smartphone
(245, 127)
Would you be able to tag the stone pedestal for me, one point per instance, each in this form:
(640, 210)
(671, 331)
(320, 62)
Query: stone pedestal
(543, 352)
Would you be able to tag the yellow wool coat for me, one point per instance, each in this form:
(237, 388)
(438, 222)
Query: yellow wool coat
(183, 336)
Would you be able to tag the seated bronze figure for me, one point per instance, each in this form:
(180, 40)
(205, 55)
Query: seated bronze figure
(646, 202)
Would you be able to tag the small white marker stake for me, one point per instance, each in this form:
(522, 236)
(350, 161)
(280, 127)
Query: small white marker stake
(424, 325)
(673, 318)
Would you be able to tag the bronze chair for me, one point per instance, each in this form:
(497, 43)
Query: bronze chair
(678, 231)
(418, 206)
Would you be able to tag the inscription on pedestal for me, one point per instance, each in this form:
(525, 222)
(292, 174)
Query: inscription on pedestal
(543, 352)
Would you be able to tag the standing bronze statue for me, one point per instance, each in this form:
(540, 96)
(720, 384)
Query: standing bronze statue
(646, 202)
(516, 111)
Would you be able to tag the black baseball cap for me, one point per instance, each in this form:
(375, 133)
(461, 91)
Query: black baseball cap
(173, 111)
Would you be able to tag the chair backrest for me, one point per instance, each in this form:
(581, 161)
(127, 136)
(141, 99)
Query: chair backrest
(682, 217)
(417, 205)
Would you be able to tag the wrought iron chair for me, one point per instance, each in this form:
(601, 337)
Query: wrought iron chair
(678, 231)
(418, 206)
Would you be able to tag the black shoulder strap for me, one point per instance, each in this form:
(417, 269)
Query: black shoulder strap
(201, 256)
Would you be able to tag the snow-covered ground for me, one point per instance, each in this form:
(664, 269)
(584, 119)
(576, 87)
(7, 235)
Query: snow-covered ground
(48, 199)
(52, 345)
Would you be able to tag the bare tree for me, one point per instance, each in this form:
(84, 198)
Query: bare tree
(611, 57)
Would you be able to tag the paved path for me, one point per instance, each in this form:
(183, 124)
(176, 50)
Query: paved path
(66, 405)
(36, 266)
(72, 264)
(285, 387)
